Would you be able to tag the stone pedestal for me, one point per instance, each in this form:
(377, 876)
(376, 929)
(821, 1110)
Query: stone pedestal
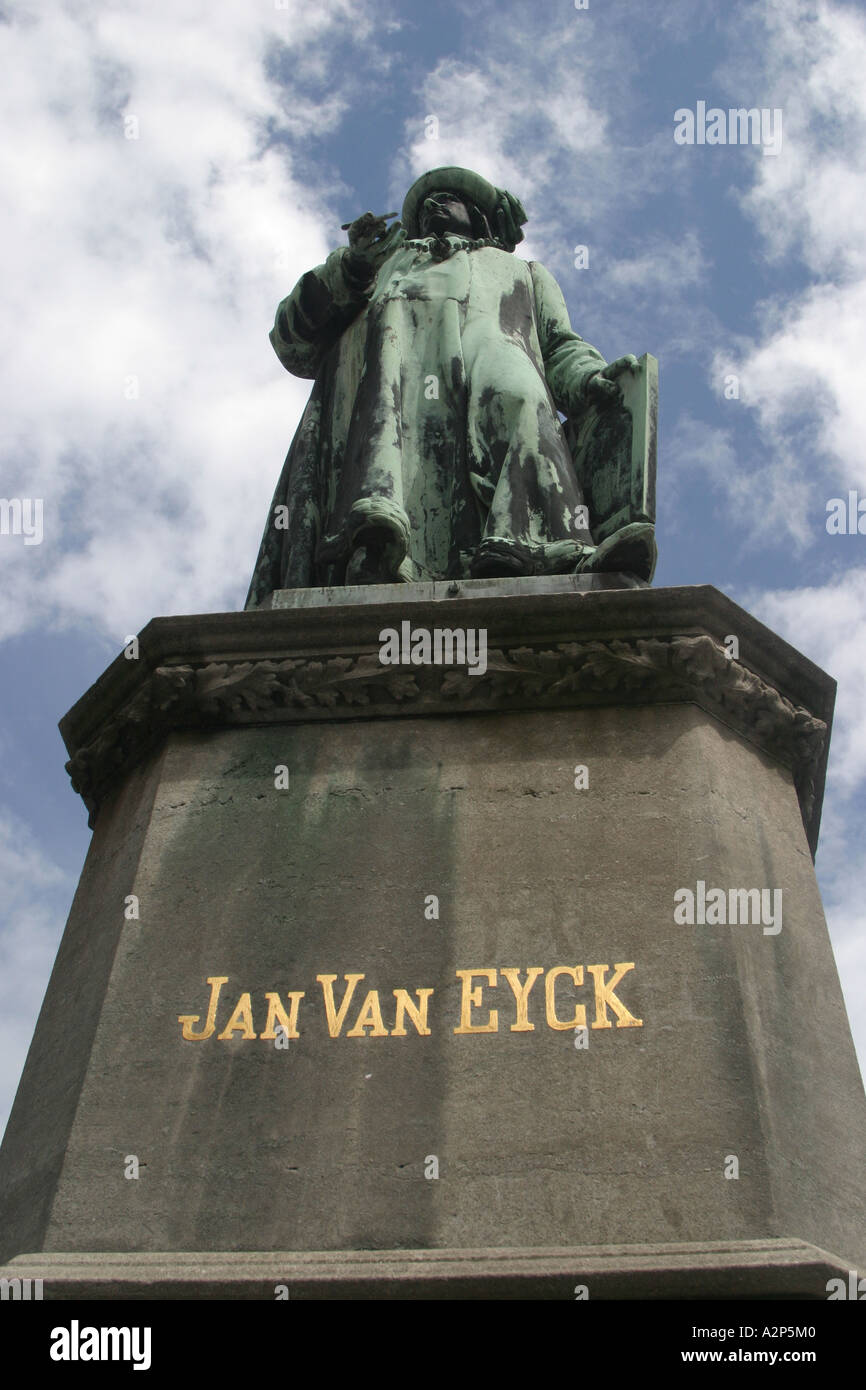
(406, 889)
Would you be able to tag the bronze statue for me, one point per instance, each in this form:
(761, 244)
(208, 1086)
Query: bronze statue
(431, 446)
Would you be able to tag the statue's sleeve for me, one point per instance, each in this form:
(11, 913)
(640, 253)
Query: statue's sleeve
(320, 307)
(569, 361)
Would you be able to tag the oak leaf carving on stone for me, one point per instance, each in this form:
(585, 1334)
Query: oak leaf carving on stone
(243, 685)
(678, 667)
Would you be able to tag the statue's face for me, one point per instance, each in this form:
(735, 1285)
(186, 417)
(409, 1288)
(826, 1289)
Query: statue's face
(444, 212)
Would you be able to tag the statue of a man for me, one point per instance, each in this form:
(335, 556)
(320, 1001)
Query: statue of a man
(431, 446)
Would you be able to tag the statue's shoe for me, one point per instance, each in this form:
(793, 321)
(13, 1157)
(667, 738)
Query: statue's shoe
(502, 559)
(367, 565)
(631, 550)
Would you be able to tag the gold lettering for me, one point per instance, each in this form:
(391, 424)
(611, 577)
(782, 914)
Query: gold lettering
(521, 994)
(472, 997)
(369, 1017)
(604, 995)
(277, 1014)
(553, 1020)
(241, 1020)
(216, 983)
(336, 1019)
(414, 1005)
(417, 1014)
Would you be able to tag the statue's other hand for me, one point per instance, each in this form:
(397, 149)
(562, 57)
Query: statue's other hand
(370, 244)
(604, 385)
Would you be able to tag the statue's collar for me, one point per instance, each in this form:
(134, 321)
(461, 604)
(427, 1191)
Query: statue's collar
(440, 248)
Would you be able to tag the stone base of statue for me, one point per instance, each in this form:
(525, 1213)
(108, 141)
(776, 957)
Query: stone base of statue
(391, 976)
(725, 1269)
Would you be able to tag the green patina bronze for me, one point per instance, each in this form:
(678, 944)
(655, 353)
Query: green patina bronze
(431, 446)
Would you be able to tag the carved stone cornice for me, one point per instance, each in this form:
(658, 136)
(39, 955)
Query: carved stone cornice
(241, 688)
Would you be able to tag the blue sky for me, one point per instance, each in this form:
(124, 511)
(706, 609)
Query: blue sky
(142, 401)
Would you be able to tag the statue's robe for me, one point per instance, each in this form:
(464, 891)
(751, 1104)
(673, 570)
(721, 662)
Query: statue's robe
(433, 417)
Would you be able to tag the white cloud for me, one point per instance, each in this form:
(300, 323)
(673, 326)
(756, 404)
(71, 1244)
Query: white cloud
(804, 379)
(539, 109)
(801, 374)
(663, 266)
(153, 264)
(746, 484)
(810, 199)
(550, 103)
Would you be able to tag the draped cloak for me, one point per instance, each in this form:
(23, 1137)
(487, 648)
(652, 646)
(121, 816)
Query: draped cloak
(433, 416)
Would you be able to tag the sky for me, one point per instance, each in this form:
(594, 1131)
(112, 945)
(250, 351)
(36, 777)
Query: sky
(170, 170)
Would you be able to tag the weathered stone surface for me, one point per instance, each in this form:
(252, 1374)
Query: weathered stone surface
(322, 660)
(713, 1270)
(742, 1048)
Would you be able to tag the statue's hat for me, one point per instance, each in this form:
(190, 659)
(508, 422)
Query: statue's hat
(503, 211)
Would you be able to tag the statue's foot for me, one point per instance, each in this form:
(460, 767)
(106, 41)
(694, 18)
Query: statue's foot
(501, 559)
(631, 550)
(367, 566)
(373, 557)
